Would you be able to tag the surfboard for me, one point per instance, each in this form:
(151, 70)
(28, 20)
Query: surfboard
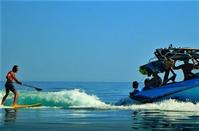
(27, 106)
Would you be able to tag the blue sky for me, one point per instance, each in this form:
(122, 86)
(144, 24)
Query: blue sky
(91, 41)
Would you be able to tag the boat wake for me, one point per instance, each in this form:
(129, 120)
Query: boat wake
(77, 99)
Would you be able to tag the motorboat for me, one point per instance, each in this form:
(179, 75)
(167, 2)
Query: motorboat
(186, 90)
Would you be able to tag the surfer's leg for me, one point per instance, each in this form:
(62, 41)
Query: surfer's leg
(4, 98)
(15, 97)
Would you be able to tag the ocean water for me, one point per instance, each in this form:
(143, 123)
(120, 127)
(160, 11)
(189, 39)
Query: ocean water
(84, 106)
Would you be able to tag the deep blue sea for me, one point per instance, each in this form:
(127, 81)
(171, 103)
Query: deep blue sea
(92, 106)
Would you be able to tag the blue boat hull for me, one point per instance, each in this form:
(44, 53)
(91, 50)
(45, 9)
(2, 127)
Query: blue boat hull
(187, 95)
(184, 91)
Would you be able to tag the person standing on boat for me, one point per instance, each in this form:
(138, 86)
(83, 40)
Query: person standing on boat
(135, 88)
(169, 63)
(9, 86)
(187, 69)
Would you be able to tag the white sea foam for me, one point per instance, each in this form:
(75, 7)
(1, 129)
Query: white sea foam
(170, 105)
(65, 98)
(79, 99)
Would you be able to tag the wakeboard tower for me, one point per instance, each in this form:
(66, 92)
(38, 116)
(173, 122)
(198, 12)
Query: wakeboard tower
(168, 56)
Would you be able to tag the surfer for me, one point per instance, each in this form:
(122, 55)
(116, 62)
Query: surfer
(9, 86)
(135, 88)
(187, 69)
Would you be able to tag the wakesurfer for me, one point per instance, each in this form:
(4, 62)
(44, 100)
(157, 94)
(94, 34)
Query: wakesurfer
(9, 85)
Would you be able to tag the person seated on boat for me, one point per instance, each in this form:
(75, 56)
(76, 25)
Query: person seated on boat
(135, 88)
(147, 84)
(187, 69)
(156, 81)
(169, 63)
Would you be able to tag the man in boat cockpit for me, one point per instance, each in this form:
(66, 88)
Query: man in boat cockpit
(155, 81)
(187, 69)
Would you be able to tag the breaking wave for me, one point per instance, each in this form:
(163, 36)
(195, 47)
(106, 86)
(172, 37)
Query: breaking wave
(78, 99)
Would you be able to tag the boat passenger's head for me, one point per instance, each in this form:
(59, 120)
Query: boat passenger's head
(147, 82)
(135, 84)
(155, 73)
(149, 74)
